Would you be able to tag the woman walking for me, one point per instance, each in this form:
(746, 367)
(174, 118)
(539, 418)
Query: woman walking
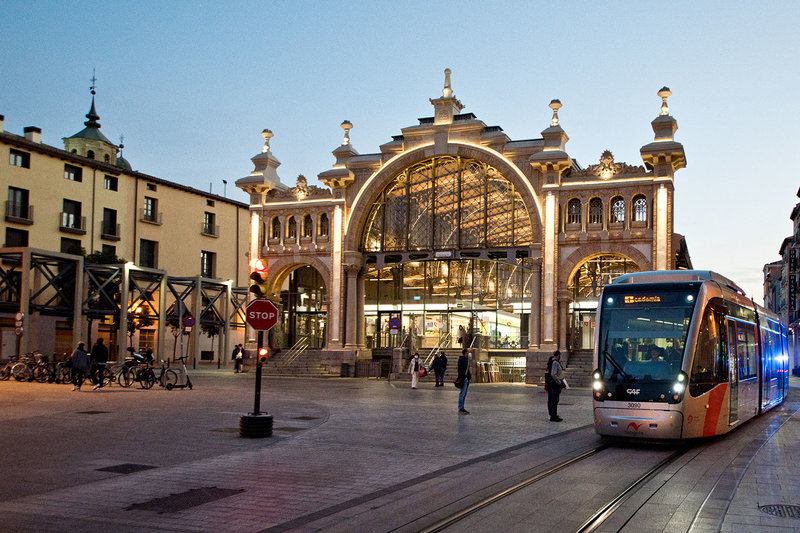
(413, 367)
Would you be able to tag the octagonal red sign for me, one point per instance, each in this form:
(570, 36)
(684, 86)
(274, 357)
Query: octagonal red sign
(261, 314)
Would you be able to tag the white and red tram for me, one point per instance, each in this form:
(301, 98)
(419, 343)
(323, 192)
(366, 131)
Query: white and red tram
(684, 354)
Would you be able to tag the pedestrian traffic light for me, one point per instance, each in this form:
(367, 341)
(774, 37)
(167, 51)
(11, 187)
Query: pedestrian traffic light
(259, 277)
(263, 355)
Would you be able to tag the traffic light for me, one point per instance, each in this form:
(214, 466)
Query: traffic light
(259, 277)
(263, 355)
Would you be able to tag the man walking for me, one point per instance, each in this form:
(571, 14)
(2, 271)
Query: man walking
(237, 358)
(99, 358)
(464, 377)
(438, 373)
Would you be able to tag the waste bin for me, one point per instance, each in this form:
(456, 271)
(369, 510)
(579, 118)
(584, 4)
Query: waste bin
(345, 372)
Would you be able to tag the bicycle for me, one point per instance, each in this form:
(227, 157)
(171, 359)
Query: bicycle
(5, 372)
(166, 378)
(23, 368)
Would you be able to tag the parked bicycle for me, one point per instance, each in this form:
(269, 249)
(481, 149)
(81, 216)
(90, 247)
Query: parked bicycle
(23, 369)
(5, 372)
(166, 378)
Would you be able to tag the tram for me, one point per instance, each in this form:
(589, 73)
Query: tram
(684, 354)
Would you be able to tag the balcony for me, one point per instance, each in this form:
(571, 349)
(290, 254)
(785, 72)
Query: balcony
(71, 223)
(209, 230)
(19, 213)
(150, 217)
(110, 232)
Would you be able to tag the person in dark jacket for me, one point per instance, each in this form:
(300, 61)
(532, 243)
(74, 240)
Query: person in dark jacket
(438, 371)
(464, 376)
(554, 382)
(80, 366)
(443, 359)
(99, 359)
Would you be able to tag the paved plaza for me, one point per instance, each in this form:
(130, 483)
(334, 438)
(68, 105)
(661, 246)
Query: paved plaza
(157, 460)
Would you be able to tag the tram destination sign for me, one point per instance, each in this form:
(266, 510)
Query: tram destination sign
(261, 314)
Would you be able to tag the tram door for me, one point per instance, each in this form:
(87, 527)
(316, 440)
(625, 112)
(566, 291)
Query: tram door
(733, 370)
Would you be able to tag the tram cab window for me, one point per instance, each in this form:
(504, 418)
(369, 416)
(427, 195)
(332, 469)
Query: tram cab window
(708, 368)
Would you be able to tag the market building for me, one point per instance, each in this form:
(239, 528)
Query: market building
(454, 235)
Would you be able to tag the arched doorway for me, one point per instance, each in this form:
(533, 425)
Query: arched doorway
(585, 286)
(304, 301)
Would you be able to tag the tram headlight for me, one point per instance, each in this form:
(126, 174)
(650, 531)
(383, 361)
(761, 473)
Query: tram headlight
(596, 375)
(597, 385)
(678, 388)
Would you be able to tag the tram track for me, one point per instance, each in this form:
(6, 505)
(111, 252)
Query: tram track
(593, 522)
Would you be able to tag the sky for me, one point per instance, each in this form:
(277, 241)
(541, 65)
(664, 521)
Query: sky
(191, 85)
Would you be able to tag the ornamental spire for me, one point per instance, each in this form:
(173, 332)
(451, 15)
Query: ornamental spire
(346, 126)
(664, 93)
(92, 114)
(555, 105)
(447, 92)
(267, 134)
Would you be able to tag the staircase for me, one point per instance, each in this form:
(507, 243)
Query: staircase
(307, 364)
(579, 369)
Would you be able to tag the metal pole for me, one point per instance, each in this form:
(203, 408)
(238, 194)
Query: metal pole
(257, 403)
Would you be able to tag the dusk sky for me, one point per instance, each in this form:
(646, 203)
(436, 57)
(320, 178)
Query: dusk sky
(191, 85)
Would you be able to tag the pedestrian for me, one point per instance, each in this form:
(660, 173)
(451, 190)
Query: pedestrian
(443, 359)
(80, 366)
(462, 333)
(464, 377)
(413, 368)
(99, 359)
(237, 358)
(438, 372)
(554, 382)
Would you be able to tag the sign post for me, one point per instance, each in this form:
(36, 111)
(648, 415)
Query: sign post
(261, 315)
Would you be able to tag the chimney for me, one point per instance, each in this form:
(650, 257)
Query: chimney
(33, 134)
(2, 122)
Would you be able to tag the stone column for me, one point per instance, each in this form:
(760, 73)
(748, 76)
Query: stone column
(361, 338)
(563, 308)
(351, 306)
(535, 318)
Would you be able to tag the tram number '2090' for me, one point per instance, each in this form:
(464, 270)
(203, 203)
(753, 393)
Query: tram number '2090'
(634, 405)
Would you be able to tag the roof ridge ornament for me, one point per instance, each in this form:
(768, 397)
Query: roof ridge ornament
(555, 105)
(267, 134)
(664, 93)
(447, 92)
(346, 126)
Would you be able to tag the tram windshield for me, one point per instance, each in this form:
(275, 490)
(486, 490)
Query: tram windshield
(643, 332)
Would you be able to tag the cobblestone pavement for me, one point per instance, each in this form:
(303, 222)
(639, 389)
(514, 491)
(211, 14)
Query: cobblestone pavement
(157, 460)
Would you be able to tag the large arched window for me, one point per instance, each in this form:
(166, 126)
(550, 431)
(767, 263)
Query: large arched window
(308, 226)
(595, 211)
(639, 208)
(574, 211)
(291, 229)
(323, 225)
(447, 202)
(276, 228)
(617, 215)
(597, 272)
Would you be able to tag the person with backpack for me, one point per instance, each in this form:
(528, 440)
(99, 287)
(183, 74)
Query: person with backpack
(80, 366)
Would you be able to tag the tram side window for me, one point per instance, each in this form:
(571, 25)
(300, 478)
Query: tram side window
(707, 366)
(745, 350)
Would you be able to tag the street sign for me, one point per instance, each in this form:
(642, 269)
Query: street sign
(394, 325)
(19, 316)
(189, 321)
(261, 314)
(18, 331)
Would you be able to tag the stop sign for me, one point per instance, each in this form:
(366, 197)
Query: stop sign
(261, 314)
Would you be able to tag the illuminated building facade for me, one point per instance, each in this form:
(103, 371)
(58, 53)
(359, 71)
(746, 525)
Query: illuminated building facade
(782, 287)
(453, 234)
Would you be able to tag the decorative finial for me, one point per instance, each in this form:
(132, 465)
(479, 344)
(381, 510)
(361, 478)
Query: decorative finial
(447, 92)
(94, 82)
(664, 93)
(121, 145)
(346, 126)
(267, 134)
(555, 105)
